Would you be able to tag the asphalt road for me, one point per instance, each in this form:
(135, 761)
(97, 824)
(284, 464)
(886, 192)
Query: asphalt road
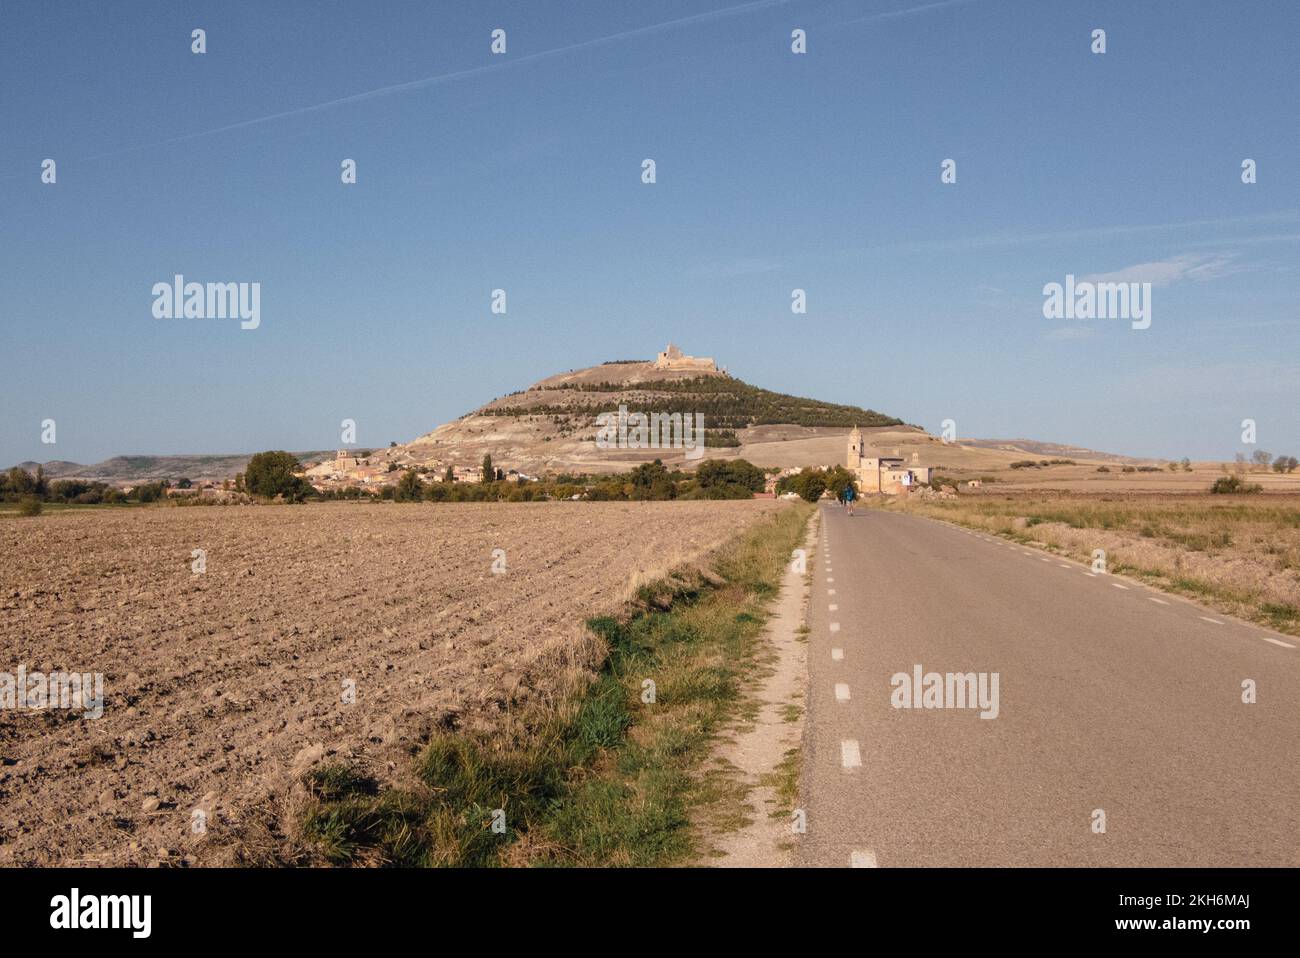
(1111, 698)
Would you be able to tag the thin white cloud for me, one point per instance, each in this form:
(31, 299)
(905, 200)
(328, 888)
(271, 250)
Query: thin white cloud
(907, 12)
(1187, 267)
(994, 240)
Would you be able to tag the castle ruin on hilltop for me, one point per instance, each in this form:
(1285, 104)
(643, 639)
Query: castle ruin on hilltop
(673, 358)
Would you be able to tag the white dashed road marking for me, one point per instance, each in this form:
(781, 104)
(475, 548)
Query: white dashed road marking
(1152, 598)
(841, 692)
(837, 654)
(862, 859)
(835, 626)
(1208, 619)
(850, 756)
(1285, 645)
(1118, 586)
(833, 607)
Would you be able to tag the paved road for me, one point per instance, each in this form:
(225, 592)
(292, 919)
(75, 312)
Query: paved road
(1111, 697)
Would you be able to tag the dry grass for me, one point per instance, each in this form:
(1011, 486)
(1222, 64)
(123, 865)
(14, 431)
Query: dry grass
(1240, 554)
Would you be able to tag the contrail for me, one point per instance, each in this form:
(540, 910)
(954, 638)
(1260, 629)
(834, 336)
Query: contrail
(725, 12)
(396, 88)
(909, 11)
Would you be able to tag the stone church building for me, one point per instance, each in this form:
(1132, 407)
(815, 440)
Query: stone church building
(882, 474)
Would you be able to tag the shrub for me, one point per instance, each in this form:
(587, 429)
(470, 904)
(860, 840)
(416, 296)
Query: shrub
(721, 472)
(1226, 485)
(29, 506)
(272, 474)
(810, 485)
(148, 492)
(409, 487)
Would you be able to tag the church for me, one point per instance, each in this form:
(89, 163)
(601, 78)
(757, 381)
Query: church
(882, 474)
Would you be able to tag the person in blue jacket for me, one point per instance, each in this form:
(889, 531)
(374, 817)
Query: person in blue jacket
(849, 496)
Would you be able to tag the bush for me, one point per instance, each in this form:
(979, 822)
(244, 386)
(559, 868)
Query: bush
(1227, 485)
(409, 487)
(722, 472)
(272, 474)
(29, 506)
(838, 479)
(18, 481)
(812, 487)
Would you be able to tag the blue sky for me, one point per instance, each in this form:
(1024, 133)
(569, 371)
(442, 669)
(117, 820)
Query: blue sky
(522, 172)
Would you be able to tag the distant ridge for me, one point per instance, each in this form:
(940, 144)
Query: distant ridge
(1055, 449)
(153, 468)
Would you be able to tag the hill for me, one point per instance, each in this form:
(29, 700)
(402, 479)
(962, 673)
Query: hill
(550, 427)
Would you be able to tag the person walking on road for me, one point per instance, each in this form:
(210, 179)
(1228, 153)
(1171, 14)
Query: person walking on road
(849, 496)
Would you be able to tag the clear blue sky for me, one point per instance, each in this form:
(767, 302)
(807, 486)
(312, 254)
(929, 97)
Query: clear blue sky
(522, 171)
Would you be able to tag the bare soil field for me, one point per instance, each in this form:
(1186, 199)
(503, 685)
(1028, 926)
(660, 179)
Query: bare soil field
(221, 688)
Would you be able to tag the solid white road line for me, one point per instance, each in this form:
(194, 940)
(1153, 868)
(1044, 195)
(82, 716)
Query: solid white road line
(864, 858)
(837, 654)
(850, 756)
(841, 692)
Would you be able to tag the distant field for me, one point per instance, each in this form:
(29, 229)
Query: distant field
(1238, 553)
(222, 687)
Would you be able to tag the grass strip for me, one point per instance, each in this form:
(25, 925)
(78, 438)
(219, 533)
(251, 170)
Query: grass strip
(605, 777)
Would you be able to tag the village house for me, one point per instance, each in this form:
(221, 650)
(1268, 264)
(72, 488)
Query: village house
(770, 483)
